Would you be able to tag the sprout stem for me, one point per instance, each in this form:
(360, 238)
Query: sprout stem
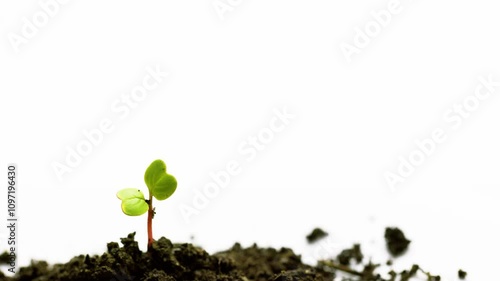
(150, 222)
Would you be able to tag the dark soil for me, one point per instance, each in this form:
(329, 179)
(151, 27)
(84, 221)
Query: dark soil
(396, 241)
(316, 235)
(462, 274)
(347, 256)
(169, 261)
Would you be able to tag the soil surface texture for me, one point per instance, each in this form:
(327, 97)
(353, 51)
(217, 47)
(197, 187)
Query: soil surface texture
(167, 261)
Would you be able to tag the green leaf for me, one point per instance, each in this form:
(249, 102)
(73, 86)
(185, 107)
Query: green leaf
(154, 173)
(128, 193)
(165, 187)
(160, 184)
(133, 201)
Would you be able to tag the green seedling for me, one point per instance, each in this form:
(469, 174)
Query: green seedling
(161, 185)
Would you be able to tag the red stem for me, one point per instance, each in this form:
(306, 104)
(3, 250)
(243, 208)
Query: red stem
(150, 222)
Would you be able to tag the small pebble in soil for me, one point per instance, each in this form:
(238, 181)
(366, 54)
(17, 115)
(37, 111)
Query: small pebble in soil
(462, 274)
(316, 235)
(397, 244)
(346, 256)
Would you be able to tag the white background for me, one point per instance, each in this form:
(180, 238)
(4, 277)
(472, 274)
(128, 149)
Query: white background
(353, 120)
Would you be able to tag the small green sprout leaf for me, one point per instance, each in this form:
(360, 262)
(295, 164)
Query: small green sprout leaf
(133, 201)
(165, 187)
(160, 184)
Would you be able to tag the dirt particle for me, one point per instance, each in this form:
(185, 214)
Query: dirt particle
(316, 235)
(397, 244)
(352, 254)
(462, 274)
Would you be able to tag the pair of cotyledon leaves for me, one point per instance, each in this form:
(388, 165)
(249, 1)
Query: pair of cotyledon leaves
(160, 184)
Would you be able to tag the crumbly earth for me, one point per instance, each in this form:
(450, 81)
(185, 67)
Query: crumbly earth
(169, 262)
